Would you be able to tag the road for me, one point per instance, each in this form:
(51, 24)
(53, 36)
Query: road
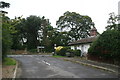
(39, 66)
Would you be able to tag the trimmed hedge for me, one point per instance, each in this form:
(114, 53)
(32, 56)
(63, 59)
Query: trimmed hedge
(66, 51)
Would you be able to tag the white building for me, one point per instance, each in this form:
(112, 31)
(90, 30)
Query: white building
(85, 43)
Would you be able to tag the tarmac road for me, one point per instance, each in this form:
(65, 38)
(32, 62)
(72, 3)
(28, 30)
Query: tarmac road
(45, 66)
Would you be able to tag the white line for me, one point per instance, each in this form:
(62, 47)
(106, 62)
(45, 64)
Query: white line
(14, 76)
(46, 62)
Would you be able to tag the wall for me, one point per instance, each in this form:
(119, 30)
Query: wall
(83, 47)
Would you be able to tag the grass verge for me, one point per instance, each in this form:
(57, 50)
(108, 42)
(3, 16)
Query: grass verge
(9, 61)
(57, 56)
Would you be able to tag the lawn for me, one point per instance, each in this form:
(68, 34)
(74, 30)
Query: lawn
(57, 56)
(9, 61)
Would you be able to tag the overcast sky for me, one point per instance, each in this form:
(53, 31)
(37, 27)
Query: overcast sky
(98, 10)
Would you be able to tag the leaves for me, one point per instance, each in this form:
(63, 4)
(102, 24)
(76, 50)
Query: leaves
(77, 25)
(107, 45)
(112, 22)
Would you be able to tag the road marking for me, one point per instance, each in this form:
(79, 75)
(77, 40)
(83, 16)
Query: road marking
(46, 62)
(14, 75)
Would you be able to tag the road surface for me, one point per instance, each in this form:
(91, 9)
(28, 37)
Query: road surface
(39, 66)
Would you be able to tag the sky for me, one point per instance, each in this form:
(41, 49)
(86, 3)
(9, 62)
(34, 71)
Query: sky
(98, 10)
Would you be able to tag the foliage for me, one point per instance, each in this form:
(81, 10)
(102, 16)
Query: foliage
(77, 52)
(74, 52)
(61, 50)
(78, 26)
(57, 56)
(31, 27)
(113, 21)
(107, 45)
(33, 50)
(7, 30)
(9, 61)
(4, 5)
(70, 53)
(17, 37)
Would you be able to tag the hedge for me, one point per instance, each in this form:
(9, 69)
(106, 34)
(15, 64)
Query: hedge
(107, 45)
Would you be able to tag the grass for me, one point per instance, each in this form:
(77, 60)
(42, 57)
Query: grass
(9, 61)
(57, 56)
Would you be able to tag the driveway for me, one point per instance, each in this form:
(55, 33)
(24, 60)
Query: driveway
(45, 66)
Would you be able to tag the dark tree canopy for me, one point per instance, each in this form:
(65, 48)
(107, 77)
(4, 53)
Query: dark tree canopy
(107, 45)
(4, 5)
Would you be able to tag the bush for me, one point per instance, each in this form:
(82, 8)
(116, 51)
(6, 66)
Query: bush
(70, 53)
(61, 50)
(73, 52)
(33, 50)
(77, 52)
(107, 46)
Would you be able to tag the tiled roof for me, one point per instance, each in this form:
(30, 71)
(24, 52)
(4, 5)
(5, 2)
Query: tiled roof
(83, 41)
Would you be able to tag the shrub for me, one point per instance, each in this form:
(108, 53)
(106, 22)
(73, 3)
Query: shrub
(33, 50)
(77, 52)
(70, 53)
(74, 52)
(107, 46)
(61, 50)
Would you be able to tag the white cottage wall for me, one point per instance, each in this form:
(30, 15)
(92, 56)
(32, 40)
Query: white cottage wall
(83, 47)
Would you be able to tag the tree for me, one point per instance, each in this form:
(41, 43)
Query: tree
(112, 22)
(7, 29)
(4, 5)
(78, 26)
(31, 26)
(18, 37)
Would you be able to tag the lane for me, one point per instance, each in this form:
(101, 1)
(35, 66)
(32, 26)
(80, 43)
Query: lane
(80, 70)
(39, 66)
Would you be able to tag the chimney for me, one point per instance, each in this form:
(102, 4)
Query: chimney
(93, 32)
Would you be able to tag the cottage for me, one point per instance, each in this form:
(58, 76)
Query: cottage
(85, 43)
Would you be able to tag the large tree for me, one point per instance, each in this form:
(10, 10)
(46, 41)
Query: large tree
(18, 37)
(78, 26)
(6, 29)
(113, 21)
(31, 27)
(4, 5)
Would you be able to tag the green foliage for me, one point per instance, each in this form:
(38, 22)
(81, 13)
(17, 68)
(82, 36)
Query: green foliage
(107, 45)
(33, 50)
(32, 25)
(6, 36)
(77, 52)
(78, 25)
(113, 21)
(74, 52)
(9, 61)
(57, 56)
(62, 51)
